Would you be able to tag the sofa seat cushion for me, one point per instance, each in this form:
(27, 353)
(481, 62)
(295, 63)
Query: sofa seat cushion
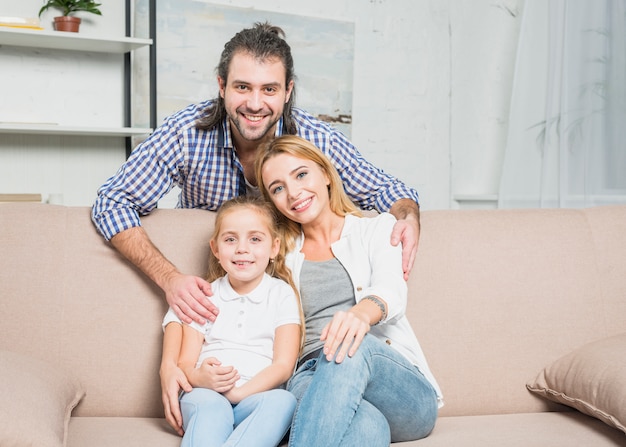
(554, 429)
(121, 432)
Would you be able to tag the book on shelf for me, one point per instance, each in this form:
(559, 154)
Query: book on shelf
(20, 22)
(20, 197)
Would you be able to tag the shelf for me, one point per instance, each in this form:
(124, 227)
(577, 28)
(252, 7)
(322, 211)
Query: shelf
(54, 129)
(60, 40)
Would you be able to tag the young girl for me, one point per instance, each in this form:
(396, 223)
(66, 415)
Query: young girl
(363, 377)
(256, 336)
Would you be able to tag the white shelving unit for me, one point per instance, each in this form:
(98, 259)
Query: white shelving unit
(70, 110)
(53, 129)
(71, 42)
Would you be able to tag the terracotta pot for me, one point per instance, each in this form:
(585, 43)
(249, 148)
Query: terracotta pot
(67, 23)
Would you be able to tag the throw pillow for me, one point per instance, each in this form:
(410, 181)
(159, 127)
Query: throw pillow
(591, 379)
(37, 400)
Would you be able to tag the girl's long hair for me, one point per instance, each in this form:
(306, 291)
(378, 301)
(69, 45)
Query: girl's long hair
(277, 268)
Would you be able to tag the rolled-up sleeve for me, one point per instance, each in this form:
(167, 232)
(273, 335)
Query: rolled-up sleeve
(135, 189)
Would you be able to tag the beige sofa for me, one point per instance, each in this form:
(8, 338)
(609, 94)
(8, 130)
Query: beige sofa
(495, 296)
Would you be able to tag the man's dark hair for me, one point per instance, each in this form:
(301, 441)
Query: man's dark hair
(263, 41)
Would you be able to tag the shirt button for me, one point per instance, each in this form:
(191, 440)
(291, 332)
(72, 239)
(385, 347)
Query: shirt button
(388, 341)
(359, 288)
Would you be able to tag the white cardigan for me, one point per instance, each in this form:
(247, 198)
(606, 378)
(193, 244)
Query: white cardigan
(375, 268)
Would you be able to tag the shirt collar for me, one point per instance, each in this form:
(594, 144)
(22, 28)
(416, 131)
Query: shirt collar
(224, 138)
(280, 127)
(258, 295)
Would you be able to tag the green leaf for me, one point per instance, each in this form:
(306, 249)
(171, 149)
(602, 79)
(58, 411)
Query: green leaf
(68, 7)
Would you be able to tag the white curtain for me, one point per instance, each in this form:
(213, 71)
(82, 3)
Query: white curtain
(566, 145)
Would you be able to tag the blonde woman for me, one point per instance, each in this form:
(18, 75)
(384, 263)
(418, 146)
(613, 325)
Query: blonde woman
(362, 378)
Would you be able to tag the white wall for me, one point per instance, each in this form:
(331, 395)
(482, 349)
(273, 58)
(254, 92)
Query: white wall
(401, 105)
(431, 89)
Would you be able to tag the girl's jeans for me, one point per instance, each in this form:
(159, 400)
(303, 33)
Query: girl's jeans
(371, 399)
(209, 419)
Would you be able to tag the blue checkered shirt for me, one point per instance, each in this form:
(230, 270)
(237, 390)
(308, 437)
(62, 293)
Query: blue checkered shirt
(204, 164)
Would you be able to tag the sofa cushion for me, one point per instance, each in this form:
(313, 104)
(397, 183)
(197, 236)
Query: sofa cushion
(591, 379)
(37, 400)
(547, 429)
(121, 432)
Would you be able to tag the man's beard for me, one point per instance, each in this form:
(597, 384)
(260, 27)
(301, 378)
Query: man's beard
(249, 134)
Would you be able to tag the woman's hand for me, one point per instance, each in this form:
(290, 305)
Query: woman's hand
(345, 333)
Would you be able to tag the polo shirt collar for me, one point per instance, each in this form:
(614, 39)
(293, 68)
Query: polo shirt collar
(258, 295)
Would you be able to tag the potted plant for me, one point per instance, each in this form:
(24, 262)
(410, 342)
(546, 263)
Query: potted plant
(67, 22)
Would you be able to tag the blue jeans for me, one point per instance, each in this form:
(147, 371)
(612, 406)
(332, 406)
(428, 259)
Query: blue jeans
(371, 399)
(261, 419)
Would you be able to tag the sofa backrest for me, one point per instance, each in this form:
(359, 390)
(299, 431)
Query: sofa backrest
(494, 296)
(70, 298)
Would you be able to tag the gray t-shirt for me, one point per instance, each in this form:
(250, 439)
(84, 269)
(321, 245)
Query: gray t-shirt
(325, 288)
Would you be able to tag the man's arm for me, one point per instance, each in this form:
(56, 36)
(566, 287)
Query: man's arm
(186, 294)
(406, 231)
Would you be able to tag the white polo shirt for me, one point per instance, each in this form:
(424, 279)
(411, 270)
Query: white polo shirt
(243, 332)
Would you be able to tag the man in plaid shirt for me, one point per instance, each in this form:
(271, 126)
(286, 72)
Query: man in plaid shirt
(208, 150)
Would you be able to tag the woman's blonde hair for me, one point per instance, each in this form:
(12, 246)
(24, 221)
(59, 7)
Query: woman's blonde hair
(276, 267)
(296, 146)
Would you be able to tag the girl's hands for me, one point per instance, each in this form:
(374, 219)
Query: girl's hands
(233, 395)
(172, 381)
(212, 375)
(344, 334)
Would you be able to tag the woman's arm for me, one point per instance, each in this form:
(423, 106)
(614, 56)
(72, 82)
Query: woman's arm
(379, 264)
(286, 348)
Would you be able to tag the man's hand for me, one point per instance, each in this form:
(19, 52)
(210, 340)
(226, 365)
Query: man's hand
(172, 381)
(406, 231)
(187, 296)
